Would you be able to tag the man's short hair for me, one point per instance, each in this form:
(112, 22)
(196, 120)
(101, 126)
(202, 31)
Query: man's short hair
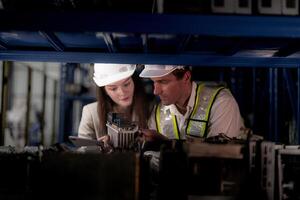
(179, 73)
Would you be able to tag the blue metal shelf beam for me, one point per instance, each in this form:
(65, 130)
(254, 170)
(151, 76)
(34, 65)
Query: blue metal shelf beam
(180, 59)
(53, 40)
(3, 45)
(225, 26)
(184, 42)
(109, 41)
(288, 50)
(235, 48)
(145, 42)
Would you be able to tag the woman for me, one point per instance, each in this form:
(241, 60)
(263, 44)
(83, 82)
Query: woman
(119, 90)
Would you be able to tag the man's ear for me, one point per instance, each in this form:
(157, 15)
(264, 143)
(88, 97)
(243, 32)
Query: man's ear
(187, 76)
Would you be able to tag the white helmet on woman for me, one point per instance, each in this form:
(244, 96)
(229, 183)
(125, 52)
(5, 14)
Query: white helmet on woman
(105, 74)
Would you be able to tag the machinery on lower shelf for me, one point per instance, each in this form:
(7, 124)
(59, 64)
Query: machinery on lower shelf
(250, 169)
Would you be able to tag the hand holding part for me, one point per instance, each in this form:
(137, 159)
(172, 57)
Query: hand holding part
(105, 139)
(104, 142)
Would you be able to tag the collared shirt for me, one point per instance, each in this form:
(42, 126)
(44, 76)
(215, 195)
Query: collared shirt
(224, 117)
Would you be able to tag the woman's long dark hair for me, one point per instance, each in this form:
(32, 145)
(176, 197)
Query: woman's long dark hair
(140, 104)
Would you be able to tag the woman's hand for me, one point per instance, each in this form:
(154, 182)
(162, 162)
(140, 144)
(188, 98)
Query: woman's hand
(105, 144)
(104, 139)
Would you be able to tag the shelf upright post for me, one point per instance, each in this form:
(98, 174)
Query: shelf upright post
(276, 126)
(4, 99)
(28, 106)
(254, 103)
(43, 108)
(273, 104)
(63, 72)
(298, 106)
(54, 129)
(291, 88)
(66, 106)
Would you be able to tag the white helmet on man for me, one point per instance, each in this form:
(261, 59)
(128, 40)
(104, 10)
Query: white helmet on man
(105, 74)
(154, 71)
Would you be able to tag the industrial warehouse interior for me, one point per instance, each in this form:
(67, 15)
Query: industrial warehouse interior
(56, 57)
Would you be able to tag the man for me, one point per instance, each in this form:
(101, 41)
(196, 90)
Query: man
(189, 109)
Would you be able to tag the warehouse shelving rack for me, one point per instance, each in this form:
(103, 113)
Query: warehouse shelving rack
(266, 47)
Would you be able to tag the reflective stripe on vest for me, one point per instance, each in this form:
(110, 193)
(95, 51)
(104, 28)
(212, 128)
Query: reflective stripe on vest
(167, 125)
(172, 123)
(198, 120)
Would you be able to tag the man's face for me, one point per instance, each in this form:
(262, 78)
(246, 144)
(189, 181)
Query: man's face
(168, 88)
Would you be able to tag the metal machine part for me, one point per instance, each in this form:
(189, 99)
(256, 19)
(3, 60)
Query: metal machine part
(288, 164)
(267, 168)
(280, 172)
(122, 132)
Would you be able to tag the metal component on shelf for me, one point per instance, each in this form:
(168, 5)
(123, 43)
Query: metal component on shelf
(280, 172)
(288, 165)
(252, 155)
(227, 175)
(229, 6)
(290, 7)
(269, 6)
(122, 132)
(268, 168)
(225, 6)
(30, 173)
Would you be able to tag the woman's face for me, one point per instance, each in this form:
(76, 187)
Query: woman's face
(121, 92)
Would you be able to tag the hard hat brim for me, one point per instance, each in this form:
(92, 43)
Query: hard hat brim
(149, 73)
(112, 79)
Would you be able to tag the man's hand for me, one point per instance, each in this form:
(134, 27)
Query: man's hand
(152, 135)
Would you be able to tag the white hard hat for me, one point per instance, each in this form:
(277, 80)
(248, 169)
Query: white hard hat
(105, 74)
(154, 71)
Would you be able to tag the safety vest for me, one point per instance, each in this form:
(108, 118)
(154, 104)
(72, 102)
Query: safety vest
(197, 122)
